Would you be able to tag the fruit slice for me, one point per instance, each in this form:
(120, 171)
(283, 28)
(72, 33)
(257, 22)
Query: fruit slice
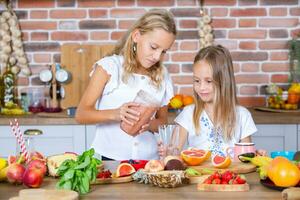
(221, 162)
(194, 156)
(124, 169)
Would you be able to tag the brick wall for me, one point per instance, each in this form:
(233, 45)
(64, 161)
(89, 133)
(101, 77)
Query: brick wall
(255, 31)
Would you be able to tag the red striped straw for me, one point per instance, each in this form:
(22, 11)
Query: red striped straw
(23, 146)
(18, 137)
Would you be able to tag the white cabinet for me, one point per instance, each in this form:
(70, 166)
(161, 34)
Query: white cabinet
(90, 135)
(298, 137)
(54, 140)
(273, 137)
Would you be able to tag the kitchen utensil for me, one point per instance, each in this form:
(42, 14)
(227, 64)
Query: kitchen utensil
(45, 75)
(287, 154)
(63, 76)
(35, 194)
(240, 148)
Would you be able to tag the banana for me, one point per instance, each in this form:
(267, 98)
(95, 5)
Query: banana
(263, 172)
(258, 160)
(3, 163)
(3, 173)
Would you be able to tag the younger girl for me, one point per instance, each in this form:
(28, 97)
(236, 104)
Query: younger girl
(134, 65)
(216, 121)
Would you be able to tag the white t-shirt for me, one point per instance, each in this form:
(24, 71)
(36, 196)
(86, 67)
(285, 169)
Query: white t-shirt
(110, 140)
(209, 138)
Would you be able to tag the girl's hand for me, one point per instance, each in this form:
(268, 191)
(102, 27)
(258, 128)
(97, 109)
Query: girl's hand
(261, 152)
(128, 114)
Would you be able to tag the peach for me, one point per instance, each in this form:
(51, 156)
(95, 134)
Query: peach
(154, 166)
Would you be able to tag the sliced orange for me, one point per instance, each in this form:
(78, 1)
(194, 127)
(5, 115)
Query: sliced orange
(194, 156)
(221, 162)
(124, 169)
(187, 100)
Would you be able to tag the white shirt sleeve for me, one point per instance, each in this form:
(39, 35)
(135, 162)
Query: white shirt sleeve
(185, 118)
(169, 90)
(110, 65)
(247, 124)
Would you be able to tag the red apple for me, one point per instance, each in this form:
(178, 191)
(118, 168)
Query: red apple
(39, 165)
(15, 173)
(37, 156)
(33, 178)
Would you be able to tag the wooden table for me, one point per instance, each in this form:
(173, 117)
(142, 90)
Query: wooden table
(140, 191)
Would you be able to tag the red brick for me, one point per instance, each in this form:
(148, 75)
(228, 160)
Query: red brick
(275, 67)
(65, 3)
(187, 68)
(248, 90)
(220, 3)
(36, 4)
(247, 2)
(174, 47)
(278, 33)
(247, 23)
(98, 13)
(126, 3)
(38, 25)
(96, 3)
(56, 57)
(127, 13)
(190, 24)
(25, 36)
(279, 78)
(250, 67)
(38, 14)
(172, 68)
(219, 12)
(116, 35)
(278, 12)
(125, 24)
(244, 34)
(278, 22)
(155, 3)
(181, 35)
(189, 45)
(295, 11)
(223, 23)
(248, 56)
(97, 24)
(185, 12)
(23, 81)
(42, 46)
(236, 67)
(229, 44)
(42, 58)
(279, 56)
(285, 2)
(39, 36)
(67, 36)
(248, 12)
(187, 3)
(97, 35)
(252, 78)
(186, 90)
(68, 14)
(251, 101)
(182, 79)
(36, 69)
(247, 45)
(183, 57)
(273, 44)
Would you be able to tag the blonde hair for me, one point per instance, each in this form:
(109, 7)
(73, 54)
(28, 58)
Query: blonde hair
(153, 19)
(225, 99)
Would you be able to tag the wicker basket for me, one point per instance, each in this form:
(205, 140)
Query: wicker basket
(167, 179)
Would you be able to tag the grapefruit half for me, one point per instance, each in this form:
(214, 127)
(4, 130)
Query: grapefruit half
(124, 169)
(194, 156)
(221, 162)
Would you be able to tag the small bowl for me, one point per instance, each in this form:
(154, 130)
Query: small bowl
(137, 164)
(287, 154)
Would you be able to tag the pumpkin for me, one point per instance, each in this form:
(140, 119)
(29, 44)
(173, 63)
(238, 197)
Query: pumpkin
(283, 173)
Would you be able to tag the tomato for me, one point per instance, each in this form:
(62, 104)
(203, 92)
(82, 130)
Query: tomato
(283, 173)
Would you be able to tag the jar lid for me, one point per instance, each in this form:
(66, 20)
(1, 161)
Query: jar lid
(33, 132)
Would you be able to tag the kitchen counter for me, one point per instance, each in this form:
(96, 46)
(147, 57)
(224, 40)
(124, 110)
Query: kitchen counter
(141, 191)
(260, 117)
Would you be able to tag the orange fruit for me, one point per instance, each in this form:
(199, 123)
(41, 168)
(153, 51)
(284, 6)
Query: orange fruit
(194, 156)
(178, 96)
(176, 102)
(283, 173)
(187, 100)
(221, 162)
(124, 169)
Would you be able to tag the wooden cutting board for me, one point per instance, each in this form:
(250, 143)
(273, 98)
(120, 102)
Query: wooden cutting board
(78, 60)
(125, 179)
(38, 194)
(237, 167)
(276, 110)
(223, 187)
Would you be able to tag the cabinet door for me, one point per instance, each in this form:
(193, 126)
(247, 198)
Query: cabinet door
(276, 137)
(55, 139)
(90, 135)
(298, 137)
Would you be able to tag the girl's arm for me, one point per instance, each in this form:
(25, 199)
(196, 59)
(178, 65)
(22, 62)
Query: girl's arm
(260, 152)
(86, 112)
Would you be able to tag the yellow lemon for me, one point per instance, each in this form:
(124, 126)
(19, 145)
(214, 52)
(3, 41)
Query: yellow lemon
(3, 163)
(176, 103)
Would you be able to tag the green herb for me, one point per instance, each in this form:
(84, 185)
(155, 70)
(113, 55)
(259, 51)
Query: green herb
(77, 175)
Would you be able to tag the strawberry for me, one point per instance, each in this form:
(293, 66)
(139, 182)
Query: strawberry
(216, 175)
(241, 179)
(224, 182)
(208, 181)
(227, 176)
(216, 181)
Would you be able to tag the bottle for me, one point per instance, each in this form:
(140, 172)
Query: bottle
(1, 91)
(9, 87)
